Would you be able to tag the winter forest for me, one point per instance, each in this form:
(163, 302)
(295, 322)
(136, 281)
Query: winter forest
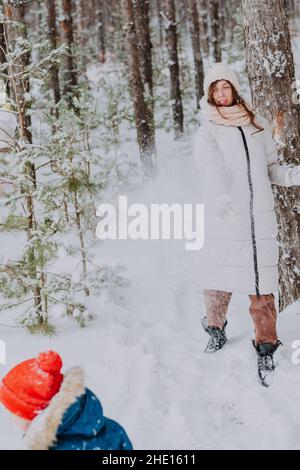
(101, 100)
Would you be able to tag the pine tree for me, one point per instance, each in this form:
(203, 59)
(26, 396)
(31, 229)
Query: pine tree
(36, 206)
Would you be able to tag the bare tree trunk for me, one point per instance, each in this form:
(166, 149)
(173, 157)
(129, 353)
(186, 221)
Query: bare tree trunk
(71, 79)
(101, 30)
(215, 28)
(171, 32)
(271, 73)
(195, 34)
(204, 34)
(52, 35)
(145, 130)
(141, 10)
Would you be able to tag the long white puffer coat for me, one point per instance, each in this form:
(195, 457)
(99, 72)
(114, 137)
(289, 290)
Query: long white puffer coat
(241, 251)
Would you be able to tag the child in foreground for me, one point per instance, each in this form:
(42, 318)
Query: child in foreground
(56, 411)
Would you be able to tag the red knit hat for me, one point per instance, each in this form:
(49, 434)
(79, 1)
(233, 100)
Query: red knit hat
(29, 387)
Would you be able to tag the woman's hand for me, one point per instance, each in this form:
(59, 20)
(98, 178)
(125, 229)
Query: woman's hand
(292, 176)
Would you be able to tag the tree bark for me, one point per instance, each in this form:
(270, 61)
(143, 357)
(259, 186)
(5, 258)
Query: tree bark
(145, 130)
(171, 33)
(215, 27)
(71, 78)
(141, 10)
(100, 13)
(52, 35)
(271, 73)
(198, 62)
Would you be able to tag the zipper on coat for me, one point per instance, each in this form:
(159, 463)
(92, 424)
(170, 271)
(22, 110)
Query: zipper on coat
(251, 213)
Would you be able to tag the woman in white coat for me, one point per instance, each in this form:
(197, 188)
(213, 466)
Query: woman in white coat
(237, 160)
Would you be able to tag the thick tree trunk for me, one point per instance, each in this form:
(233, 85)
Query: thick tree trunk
(198, 62)
(171, 33)
(141, 10)
(145, 130)
(272, 74)
(52, 35)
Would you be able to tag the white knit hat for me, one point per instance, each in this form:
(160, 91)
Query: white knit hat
(220, 71)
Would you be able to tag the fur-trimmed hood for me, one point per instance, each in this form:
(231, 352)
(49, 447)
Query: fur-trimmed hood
(41, 434)
(74, 421)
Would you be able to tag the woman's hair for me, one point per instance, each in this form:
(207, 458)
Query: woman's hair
(237, 99)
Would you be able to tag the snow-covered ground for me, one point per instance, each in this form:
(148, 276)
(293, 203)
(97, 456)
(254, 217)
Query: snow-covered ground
(143, 355)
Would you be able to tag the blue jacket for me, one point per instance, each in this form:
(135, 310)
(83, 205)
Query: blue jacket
(81, 424)
(85, 428)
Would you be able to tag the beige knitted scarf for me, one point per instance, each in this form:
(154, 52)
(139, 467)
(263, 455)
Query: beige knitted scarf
(228, 115)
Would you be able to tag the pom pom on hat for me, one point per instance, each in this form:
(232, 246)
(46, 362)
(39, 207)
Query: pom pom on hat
(49, 362)
(220, 71)
(29, 387)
